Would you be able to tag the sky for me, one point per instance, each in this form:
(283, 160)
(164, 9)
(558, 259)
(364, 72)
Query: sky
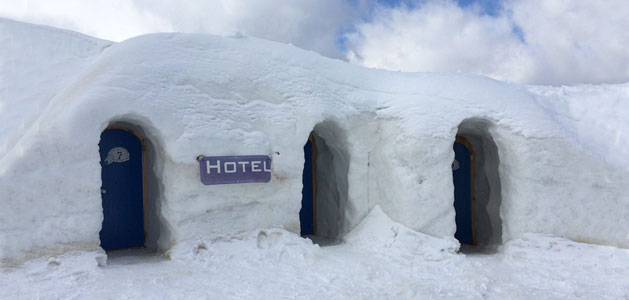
(547, 42)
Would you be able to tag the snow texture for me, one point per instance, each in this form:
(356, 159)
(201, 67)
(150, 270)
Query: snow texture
(557, 167)
(36, 63)
(381, 259)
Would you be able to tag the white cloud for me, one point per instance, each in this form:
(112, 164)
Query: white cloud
(310, 24)
(575, 41)
(107, 19)
(564, 41)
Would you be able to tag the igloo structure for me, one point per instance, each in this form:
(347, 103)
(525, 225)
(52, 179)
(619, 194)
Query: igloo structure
(376, 138)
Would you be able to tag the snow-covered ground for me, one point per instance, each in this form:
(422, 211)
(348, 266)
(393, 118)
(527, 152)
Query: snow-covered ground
(380, 259)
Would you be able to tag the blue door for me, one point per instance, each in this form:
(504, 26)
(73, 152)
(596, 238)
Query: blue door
(306, 214)
(122, 190)
(462, 175)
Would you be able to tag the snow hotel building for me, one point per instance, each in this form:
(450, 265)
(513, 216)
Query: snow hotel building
(168, 137)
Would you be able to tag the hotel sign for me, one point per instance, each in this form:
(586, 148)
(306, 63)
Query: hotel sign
(234, 169)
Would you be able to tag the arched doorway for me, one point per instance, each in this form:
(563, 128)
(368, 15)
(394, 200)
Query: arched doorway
(308, 212)
(477, 191)
(463, 178)
(325, 185)
(123, 189)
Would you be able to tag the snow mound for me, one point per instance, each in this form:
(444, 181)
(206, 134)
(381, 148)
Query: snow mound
(377, 232)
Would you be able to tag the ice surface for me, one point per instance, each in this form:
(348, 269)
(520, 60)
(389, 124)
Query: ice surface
(562, 169)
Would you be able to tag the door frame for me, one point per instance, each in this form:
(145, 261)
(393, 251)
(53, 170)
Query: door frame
(144, 188)
(313, 142)
(463, 141)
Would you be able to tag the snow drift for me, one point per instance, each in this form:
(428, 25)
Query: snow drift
(380, 259)
(190, 95)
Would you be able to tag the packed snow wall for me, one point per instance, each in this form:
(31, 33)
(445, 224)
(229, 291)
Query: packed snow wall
(391, 136)
(36, 63)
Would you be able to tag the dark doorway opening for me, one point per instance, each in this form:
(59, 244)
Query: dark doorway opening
(477, 191)
(463, 177)
(325, 186)
(307, 214)
(123, 189)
